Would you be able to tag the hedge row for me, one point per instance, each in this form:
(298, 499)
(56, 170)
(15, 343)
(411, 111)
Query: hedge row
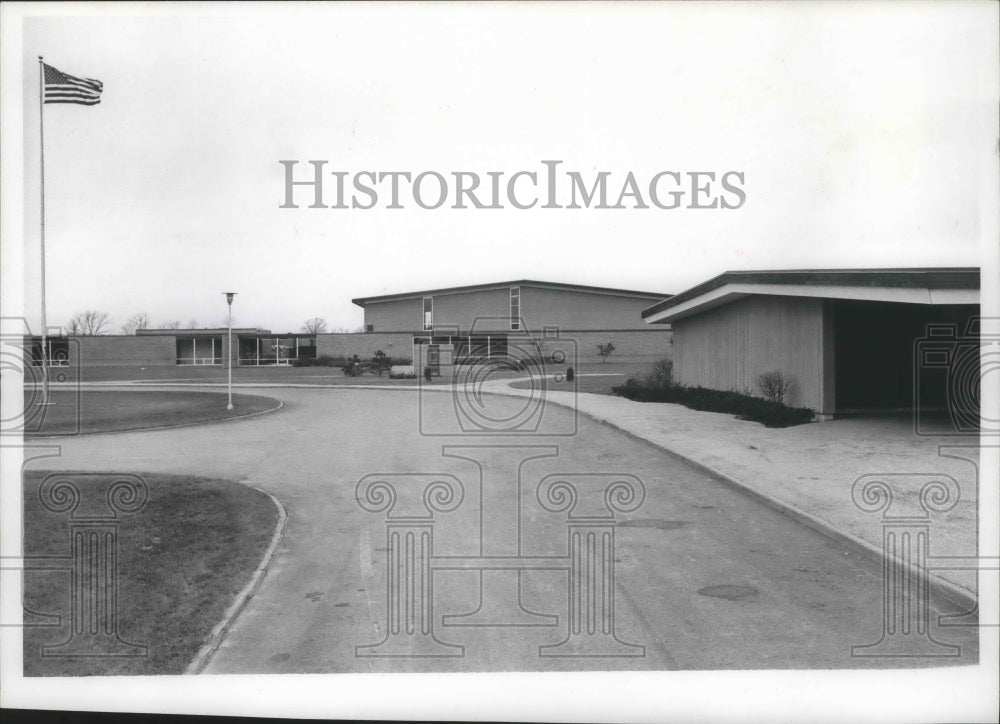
(745, 407)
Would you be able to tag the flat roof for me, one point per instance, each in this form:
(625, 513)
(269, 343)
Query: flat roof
(362, 301)
(783, 281)
(157, 331)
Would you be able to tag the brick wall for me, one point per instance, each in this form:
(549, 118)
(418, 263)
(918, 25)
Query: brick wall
(111, 350)
(399, 345)
(631, 346)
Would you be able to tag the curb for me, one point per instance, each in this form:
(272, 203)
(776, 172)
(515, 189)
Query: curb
(218, 633)
(944, 588)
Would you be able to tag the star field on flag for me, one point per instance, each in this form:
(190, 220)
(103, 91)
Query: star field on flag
(64, 88)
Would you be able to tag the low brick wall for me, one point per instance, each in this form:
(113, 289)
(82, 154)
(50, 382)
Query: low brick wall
(631, 346)
(116, 350)
(637, 347)
(398, 345)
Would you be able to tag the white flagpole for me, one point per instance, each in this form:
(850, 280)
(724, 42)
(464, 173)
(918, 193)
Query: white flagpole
(41, 131)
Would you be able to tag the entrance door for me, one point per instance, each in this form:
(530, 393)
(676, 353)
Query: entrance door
(434, 358)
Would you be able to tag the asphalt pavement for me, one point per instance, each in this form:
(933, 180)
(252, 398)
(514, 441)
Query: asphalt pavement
(498, 553)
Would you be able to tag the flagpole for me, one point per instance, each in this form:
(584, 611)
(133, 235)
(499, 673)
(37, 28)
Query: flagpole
(41, 133)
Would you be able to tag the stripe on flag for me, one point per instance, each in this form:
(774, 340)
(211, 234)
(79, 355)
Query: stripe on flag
(63, 88)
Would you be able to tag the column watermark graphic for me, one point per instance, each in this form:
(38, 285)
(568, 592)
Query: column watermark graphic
(512, 511)
(589, 502)
(950, 363)
(906, 553)
(92, 504)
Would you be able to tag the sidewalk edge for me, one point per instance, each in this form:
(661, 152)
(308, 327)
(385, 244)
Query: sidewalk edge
(954, 593)
(218, 633)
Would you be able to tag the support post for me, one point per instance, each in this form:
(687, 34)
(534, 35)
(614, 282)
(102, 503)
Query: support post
(41, 134)
(229, 348)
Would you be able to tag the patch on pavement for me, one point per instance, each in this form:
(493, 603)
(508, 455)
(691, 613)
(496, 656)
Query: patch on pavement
(730, 592)
(654, 523)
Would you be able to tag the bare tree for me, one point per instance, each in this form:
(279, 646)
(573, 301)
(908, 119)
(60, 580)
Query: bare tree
(316, 325)
(139, 320)
(88, 323)
(192, 324)
(774, 385)
(173, 324)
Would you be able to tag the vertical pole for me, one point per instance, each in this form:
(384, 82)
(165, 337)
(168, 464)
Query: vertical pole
(41, 136)
(229, 356)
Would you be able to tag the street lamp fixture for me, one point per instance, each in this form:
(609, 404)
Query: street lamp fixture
(229, 348)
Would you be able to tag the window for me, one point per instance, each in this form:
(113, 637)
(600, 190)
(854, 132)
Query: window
(515, 308)
(58, 352)
(428, 313)
(199, 350)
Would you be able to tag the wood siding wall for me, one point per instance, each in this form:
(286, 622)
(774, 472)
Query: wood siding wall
(728, 347)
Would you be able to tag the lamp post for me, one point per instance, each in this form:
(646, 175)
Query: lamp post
(229, 348)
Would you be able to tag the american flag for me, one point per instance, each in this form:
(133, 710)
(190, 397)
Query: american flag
(63, 88)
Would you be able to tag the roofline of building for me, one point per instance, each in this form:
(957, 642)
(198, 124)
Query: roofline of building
(158, 331)
(895, 278)
(362, 301)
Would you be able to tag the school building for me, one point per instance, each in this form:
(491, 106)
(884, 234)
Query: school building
(454, 325)
(516, 319)
(169, 347)
(851, 340)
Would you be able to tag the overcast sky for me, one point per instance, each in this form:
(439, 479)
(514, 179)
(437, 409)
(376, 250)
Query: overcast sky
(863, 131)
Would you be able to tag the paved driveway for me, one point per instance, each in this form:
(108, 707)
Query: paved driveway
(703, 576)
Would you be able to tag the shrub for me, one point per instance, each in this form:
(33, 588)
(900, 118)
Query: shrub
(325, 360)
(381, 363)
(353, 367)
(774, 385)
(428, 373)
(402, 376)
(570, 374)
(745, 407)
(663, 373)
(605, 350)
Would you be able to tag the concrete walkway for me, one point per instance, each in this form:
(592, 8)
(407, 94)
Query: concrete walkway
(812, 467)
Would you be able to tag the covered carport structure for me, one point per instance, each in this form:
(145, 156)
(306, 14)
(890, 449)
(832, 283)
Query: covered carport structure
(851, 340)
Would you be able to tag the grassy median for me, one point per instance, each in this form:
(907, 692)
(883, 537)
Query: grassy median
(79, 412)
(181, 560)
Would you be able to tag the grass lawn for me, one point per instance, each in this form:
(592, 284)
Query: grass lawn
(597, 378)
(194, 374)
(76, 411)
(182, 559)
